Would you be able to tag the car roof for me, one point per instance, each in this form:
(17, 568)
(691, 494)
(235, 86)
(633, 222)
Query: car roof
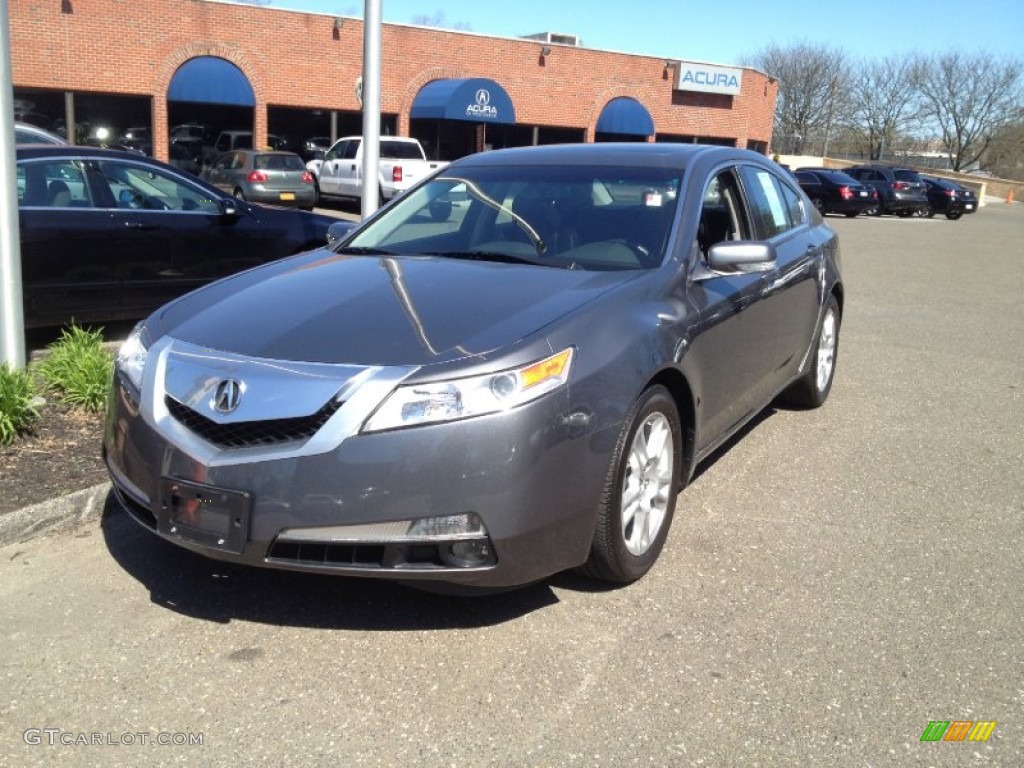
(25, 152)
(44, 136)
(43, 151)
(667, 155)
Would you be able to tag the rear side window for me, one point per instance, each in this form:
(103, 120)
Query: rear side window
(53, 184)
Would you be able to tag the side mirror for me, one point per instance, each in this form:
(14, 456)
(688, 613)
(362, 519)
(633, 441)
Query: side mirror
(228, 207)
(339, 230)
(741, 256)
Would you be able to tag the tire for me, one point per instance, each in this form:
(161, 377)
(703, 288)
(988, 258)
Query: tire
(852, 214)
(873, 210)
(906, 214)
(239, 194)
(811, 390)
(954, 215)
(927, 212)
(819, 204)
(640, 491)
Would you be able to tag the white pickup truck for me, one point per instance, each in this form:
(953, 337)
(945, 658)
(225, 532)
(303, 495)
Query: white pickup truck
(402, 163)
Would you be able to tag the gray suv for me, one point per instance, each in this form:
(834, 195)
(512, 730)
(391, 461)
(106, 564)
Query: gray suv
(900, 190)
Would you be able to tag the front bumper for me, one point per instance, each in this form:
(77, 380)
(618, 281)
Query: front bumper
(531, 481)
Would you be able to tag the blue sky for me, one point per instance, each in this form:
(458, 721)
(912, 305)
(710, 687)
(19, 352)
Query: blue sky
(723, 32)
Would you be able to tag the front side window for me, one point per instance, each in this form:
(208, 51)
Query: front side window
(337, 151)
(143, 187)
(769, 207)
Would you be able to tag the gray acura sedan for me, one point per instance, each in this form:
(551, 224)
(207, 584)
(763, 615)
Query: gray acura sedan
(509, 371)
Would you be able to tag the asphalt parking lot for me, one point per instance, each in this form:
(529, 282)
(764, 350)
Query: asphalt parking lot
(834, 581)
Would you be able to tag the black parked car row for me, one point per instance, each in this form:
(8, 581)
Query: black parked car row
(878, 189)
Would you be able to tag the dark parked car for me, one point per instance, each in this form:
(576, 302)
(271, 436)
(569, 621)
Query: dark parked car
(315, 147)
(833, 191)
(900, 190)
(280, 178)
(508, 371)
(187, 154)
(948, 197)
(108, 235)
(140, 139)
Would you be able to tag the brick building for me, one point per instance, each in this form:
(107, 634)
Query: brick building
(79, 65)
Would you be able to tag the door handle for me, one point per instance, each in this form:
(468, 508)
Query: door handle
(142, 226)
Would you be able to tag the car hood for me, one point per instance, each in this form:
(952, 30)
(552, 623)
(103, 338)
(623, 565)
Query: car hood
(331, 308)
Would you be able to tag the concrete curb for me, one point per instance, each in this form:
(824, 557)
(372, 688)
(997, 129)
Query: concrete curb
(46, 516)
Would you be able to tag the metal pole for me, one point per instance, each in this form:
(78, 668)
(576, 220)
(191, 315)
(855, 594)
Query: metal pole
(371, 106)
(12, 319)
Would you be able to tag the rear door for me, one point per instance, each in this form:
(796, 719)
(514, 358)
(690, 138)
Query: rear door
(72, 253)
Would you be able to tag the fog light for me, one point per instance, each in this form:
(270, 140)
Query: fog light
(449, 526)
(467, 554)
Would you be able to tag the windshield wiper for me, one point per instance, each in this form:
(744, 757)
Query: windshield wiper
(507, 258)
(489, 201)
(361, 251)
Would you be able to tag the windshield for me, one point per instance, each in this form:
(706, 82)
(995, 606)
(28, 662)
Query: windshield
(575, 217)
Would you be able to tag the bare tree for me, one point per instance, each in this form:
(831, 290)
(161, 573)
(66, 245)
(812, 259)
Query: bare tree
(883, 102)
(969, 97)
(1005, 154)
(437, 20)
(812, 86)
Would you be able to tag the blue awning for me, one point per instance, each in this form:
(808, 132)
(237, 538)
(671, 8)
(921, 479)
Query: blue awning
(211, 80)
(626, 116)
(475, 99)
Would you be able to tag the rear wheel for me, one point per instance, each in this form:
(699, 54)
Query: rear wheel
(927, 212)
(239, 194)
(640, 491)
(954, 215)
(811, 390)
(852, 214)
(875, 209)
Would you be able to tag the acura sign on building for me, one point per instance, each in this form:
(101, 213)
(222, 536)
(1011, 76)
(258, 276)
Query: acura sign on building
(708, 78)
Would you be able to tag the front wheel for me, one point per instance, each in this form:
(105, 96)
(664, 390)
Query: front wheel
(954, 215)
(811, 390)
(640, 491)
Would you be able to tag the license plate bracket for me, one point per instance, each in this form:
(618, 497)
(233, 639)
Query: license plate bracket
(213, 517)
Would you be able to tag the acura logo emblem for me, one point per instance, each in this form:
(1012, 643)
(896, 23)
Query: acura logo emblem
(483, 97)
(227, 397)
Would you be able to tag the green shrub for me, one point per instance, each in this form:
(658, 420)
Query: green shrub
(78, 368)
(17, 412)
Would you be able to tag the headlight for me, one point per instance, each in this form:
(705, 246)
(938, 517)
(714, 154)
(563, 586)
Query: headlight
(440, 401)
(131, 357)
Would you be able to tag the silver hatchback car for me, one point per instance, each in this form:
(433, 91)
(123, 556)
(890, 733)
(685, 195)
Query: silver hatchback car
(279, 178)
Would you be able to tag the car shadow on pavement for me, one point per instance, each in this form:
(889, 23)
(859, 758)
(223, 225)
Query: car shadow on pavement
(196, 586)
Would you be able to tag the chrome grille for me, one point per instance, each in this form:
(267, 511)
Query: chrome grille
(246, 434)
